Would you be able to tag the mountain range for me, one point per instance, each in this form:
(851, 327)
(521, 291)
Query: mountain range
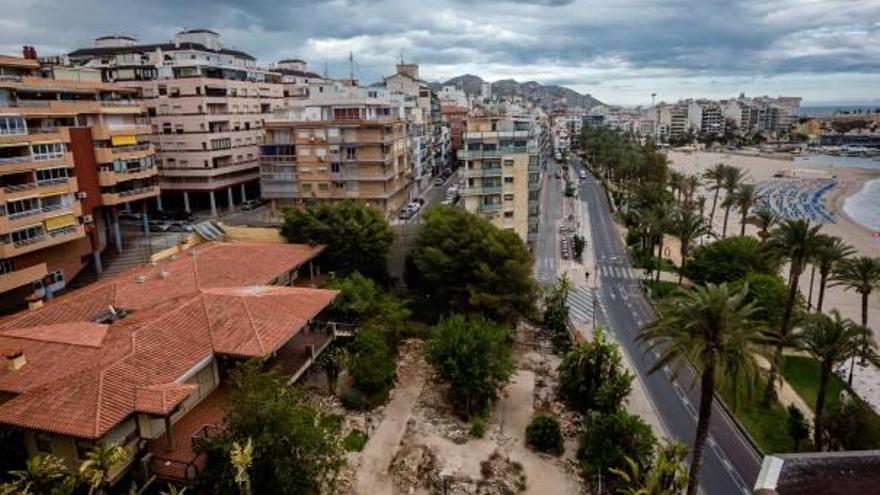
(547, 96)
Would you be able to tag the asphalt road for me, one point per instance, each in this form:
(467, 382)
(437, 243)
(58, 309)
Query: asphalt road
(546, 246)
(731, 465)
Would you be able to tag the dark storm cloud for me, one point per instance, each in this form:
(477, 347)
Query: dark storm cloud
(561, 41)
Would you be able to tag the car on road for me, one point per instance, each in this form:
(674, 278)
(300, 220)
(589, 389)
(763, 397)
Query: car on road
(583, 175)
(251, 204)
(439, 181)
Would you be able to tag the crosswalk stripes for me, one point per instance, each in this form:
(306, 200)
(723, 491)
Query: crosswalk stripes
(617, 271)
(580, 305)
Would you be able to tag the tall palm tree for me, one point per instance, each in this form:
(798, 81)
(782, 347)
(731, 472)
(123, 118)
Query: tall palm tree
(831, 251)
(794, 240)
(690, 184)
(764, 218)
(657, 219)
(676, 184)
(746, 197)
(712, 328)
(99, 461)
(831, 340)
(733, 177)
(861, 274)
(714, 175)
(687, 226)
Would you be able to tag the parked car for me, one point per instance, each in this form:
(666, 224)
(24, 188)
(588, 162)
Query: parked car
(251, 204)
(439, 181)
(583, 175)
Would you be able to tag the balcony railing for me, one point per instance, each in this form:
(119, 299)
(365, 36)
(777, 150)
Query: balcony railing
(15, 159)
(30, 240)
(140, 190)
(23, 214)
(20, 187)
(118, 103)
(483, 172)
(129, 149)
(70, 229)
(490, 207)
(480, 190)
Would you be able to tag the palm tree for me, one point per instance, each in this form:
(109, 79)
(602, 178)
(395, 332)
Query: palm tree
(690, 184)
(712, 328)
(687, 226)
(831, 340)
(764, 218)
(746, 197)
(43, 474)
(657, 219)
(829, 253)
(99, 461)
(795, 240)
(715, 176)
(676, 184)
(861, 274)
(666, 476)
(733, 177)
(242, 457)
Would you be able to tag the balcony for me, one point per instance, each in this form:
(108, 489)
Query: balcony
(110, 199)
(42, 241)
(489, 207)
(480, 190)
(482, 172)
(105, 132)
(25, 276)
(30, 162)
(112, 177)
(484, 135)
(59, 134)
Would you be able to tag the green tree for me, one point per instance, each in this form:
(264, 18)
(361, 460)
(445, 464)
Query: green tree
(43, 475)
(333, 361)
(714, 177)
(764, 218)
(712, 328)
(769, 294)
(861, 274)
(294, 452)
(592, 376)
(728, 260)
(356, 236)
(371, 364)
(830, 252)
(746, 196)
(579, 244)
(853, 425)
(99, 461)
(687, 226)
(608, 440)
(463, 264)
(732, 180)
(473, 355)
(798, 428)
(831, 341)
(658, 220)
(556, 318)
(796, 241)
(363, 302)
(665, 476)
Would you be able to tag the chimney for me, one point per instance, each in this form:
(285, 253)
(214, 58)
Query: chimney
(15, 360)
(29, 52)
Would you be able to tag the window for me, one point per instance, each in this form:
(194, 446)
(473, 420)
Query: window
(323, 186)
(508, 214)
(6, 266)
(47, 151)
(508, 197)
(50, 175)
(307, 187)
(44, 442)
(23, 207)
(56, 277)
(508, 180)
(508, 163)
(12, 126)
(163, 90)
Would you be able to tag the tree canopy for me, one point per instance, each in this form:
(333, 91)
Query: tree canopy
(728, 260)
(356, 236)
(463, 264)
(592, 376)
(608, 440)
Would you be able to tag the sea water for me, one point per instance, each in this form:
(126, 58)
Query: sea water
(864, 206)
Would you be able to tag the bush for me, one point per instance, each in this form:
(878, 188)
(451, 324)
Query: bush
(479, 425)
(371, 364)
(544, 435)
(592, 376)
(728, 260)
(608, 439)
(355, 441)
(353, 400)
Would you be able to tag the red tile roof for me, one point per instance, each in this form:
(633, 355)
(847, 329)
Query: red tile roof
(82, 378)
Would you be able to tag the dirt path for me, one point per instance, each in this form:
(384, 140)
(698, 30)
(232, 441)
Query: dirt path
(787, 395)
(373, 476)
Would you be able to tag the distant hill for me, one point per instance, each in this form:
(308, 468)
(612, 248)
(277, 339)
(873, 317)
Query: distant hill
(550, 96)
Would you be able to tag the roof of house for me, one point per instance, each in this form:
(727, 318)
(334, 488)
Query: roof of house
(82, 377)
(293, 72)
(820, 473)
(100, 51)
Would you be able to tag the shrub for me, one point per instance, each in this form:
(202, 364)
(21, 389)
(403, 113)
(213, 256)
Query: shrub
(355, 441)
(592, 376)
(730, 259)
(608, 439)
(544, 435)
(353, 400)
(371, 364)
(478, 427)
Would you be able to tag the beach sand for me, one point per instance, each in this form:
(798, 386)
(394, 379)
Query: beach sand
(850, 181)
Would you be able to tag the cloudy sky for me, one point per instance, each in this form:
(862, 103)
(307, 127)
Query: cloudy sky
(620, 51)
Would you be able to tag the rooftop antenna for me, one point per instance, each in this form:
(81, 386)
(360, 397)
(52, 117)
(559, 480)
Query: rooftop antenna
(653, 95)
(350, 66)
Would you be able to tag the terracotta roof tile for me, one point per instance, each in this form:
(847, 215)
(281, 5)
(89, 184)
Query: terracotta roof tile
(83, 378)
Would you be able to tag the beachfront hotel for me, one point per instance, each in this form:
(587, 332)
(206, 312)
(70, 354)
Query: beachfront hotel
(141, 359)
(73, 152)
(206, 105)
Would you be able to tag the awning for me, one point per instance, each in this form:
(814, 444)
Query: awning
(60, 221)
(124, 140)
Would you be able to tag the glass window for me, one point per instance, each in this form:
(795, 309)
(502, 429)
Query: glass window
(47, 151)
(44, 442)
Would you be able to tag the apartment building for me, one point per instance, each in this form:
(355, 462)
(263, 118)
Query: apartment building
(455, 117)
(344, 146)
(206, 105)
(502, 166)
(73, 152)
(298, 81)
(141, 358)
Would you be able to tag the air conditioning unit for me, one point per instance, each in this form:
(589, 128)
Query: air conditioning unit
(312, 139)
(88, 219)
(82, 195)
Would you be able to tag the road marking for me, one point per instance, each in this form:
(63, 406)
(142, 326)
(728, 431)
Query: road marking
(727, 464)
(667, 371)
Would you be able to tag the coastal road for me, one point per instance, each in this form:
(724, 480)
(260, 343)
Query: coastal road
(546, 245)
(731, 464)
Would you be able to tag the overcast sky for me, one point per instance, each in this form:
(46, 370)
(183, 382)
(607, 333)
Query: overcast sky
(620, 51)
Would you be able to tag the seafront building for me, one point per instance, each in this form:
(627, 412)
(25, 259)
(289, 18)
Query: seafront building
(73, 152)
(348, 144)
(206, 105)
(141, 359)
(504, 155)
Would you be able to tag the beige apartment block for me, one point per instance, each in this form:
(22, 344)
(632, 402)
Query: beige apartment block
(349, 149)
(72, 150)
(206, 105)
(501, 167)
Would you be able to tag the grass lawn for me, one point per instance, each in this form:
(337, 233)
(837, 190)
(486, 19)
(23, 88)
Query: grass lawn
(802, 373)
(766, 426)
(661, 289)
